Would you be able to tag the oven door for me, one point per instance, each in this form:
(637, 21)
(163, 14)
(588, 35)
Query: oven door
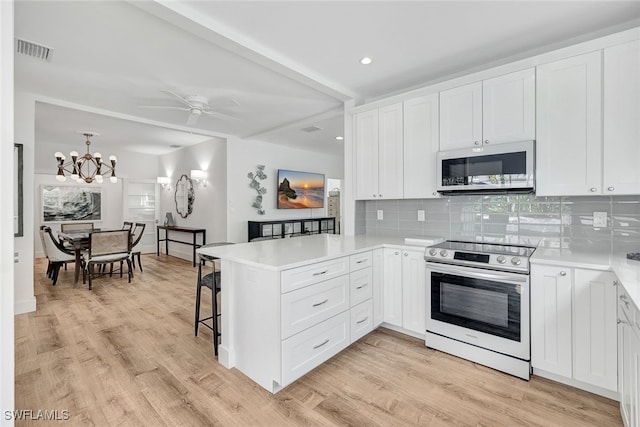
(489, 309)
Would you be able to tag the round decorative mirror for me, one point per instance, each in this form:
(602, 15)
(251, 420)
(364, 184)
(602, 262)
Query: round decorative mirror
(184, 196)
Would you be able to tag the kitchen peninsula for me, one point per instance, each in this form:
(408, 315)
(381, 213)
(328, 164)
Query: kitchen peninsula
(288, 305)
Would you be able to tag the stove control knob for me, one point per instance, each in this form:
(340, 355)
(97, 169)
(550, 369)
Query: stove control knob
(501, 259)
(443, 252)
(515, 260)
(433, 252)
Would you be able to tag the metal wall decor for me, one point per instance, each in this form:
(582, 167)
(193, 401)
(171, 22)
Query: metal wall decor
(254, 177)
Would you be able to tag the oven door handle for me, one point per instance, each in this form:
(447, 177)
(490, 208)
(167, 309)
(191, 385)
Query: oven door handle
(522, 278)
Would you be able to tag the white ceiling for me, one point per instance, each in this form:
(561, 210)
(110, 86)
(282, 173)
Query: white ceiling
(287, 64)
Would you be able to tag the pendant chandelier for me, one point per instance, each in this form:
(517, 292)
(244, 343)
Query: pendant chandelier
(87, 168)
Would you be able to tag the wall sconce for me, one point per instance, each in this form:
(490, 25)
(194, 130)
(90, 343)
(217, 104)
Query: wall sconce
(165, 181)
(199, 176)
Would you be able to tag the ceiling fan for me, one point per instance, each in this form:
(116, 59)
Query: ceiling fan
(197, 106)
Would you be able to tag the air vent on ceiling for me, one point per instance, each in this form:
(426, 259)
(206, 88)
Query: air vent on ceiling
(175, 146)
(311, 129)
(35, 50)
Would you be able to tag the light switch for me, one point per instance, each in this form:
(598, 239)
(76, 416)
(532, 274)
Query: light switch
(599, 219)
(420, 215)
(380, 215)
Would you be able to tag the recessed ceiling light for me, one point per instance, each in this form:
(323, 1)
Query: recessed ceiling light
(366, 60)
(339, 138)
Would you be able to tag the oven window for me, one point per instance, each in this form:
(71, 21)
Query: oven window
(482, 305)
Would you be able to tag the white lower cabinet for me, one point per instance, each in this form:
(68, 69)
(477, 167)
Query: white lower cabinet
(361, 320)
(404, 289)
(573, 327)
(308, 349)
(378, 287)
(628, 360)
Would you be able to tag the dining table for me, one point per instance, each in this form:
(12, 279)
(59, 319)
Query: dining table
(78, 240)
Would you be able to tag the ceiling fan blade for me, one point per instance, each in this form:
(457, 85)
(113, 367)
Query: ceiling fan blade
(220, 115)
(167, 107)
(180, 98)
(224, 103)
(193, 118)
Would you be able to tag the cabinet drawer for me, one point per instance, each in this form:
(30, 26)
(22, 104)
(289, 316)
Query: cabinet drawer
(308, 349)
(309, 274)
(361, 286)
(361, 320)
(360, 261)
(305, 307)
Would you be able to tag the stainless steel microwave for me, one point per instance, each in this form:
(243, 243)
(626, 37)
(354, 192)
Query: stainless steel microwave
(491, 168)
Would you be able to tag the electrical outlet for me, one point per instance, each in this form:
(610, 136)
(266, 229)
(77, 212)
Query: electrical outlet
(599, 219)
(420, 215)
(380, 215)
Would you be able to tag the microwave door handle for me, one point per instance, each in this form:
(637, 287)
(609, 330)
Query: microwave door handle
(490, 276)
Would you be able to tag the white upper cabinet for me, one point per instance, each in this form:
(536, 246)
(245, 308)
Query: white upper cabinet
(508, 108)
(420, 147)
(366, 144)
(569, 126)
(378, 152)
(493, 111)
(622, 119)
(461, 117)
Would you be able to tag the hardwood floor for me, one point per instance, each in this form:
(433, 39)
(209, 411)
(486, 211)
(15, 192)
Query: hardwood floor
(125, 354)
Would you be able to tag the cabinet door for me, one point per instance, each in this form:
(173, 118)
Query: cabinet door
(413, 291)
(378, 283)
(461, 117)
(366, 149)
(390, 157)
(622, 119)
(594, 329)
(626, 369)
(551, 319)
(508, 108)
(420, 147)
(569, 126)
(392, 286)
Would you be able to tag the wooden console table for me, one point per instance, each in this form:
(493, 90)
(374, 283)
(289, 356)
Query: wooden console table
(193, 231)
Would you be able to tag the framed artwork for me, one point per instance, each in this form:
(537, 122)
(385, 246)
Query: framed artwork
(18, 230)
(71, 203)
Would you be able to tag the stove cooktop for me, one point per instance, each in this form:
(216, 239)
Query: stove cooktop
(481, 255)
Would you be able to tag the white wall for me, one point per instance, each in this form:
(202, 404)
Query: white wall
(6, 213)
(209, 207)
(243, 157)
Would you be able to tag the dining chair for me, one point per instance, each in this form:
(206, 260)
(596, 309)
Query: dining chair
(108, 247)
(136, 247)
(57, 254)
(76, 226)
(44, 249)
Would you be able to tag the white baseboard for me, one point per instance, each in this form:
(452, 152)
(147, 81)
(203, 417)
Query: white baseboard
(403, 330)
(613, 395)
(24, 306)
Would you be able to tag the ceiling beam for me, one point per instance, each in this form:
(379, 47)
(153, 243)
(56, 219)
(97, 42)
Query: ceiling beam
(214, 31)
(307, 121)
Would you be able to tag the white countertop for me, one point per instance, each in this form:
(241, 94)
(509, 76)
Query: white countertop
(282, 254)
(627, 271)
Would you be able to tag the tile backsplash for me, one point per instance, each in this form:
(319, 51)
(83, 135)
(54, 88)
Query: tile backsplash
(561, 222)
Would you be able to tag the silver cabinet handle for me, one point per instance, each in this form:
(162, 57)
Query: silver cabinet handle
(406, 254)
(611, 188)
(321, 344)
(362, 286)
(318, 304)
(615, 283)
(320, 273)
(435, 193)
(593, 189)
(361, 261)
(363, 320)
(620, 321)
(624, 298)
(374, 195)
(563, 273)
(476, 142)
(486, 141)
(379, 195)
